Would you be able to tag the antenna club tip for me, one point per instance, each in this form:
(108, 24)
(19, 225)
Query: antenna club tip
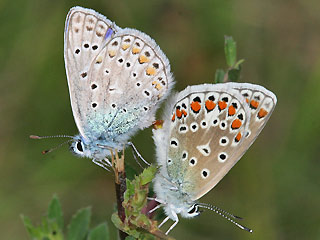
(34, 137)
(45, 152)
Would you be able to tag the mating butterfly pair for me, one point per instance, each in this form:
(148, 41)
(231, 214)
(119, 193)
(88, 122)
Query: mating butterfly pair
(118, 77)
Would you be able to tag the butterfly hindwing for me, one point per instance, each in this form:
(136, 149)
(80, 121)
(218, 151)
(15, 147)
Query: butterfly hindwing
(211, 128)
(138, 77)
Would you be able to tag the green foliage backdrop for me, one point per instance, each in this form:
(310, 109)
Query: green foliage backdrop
(275, 187)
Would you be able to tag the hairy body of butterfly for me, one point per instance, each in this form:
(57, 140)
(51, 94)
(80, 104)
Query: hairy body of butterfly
(117, 78)
(207, 128)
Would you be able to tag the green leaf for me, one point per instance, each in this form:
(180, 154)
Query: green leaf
(34, 232)
(116, 220)
(148, 174)
(230, 50)
(78, 228)
(237, 65)
(219, 76)
(130, 238)
(100, 232)
(55, 212)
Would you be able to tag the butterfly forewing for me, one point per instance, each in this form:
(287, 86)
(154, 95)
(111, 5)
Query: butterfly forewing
(85, 33)
(206, 123)
(121, 81)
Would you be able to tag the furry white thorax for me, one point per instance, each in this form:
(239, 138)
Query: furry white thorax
(93, 150)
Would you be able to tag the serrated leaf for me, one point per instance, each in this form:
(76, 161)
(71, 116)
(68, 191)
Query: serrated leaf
(79, 225)
(230, 50)
(130, 190)
(55, 212)
(100, 232)
(219, 76)
(148, 174)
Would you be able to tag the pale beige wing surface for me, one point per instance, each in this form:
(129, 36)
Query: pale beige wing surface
(117, 77)
(84, 37)
(207, 135)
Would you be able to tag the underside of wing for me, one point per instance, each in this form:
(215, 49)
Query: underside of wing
(138, 78)
(119, 86)
(86, 32)
(208, 123)
(261, 103)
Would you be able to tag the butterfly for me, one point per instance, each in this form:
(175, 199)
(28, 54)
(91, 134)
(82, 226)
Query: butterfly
(117, 78)
(207, 128)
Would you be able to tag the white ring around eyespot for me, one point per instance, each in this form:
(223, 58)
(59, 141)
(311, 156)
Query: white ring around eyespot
(196, 128)
(186, 153)
(225, 125)
(205, 170)
(224, 144)
(219, 157)
(195, 162)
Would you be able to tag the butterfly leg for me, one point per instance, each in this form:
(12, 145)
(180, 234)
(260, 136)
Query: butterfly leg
(155, 208)
(163, 222)
(136, 151)
(102, 164)
(176, 220)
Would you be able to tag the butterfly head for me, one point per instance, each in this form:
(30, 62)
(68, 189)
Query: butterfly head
(82, 147)
(79, 148)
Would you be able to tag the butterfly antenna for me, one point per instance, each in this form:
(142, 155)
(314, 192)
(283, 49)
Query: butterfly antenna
(226, 215)
(56, 147)
(56, 136)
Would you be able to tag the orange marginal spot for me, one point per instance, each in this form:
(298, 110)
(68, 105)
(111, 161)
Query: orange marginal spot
(210, 105)
(125, 46)
(222, 105)
(135, 50)
(262, 113)
(236, 124)
(158, 86)
(195, 106)
(173, 117)
(111, 53)
(254, 104)
(184, 112)
(157, 124)
(247, 100)
(151, 71)
(143, 59)
(154, 83)
(238, 137)
(179, 113)
(231, 111)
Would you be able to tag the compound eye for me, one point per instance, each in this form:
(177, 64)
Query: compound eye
(79, 146)
(193, 209)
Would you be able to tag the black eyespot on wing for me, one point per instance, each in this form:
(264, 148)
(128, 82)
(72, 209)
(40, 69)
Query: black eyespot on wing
(197, 99)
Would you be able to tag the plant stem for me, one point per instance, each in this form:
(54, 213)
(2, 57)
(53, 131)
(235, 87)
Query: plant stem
(121, 187)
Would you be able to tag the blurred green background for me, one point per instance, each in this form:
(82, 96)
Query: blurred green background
(275, 187)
